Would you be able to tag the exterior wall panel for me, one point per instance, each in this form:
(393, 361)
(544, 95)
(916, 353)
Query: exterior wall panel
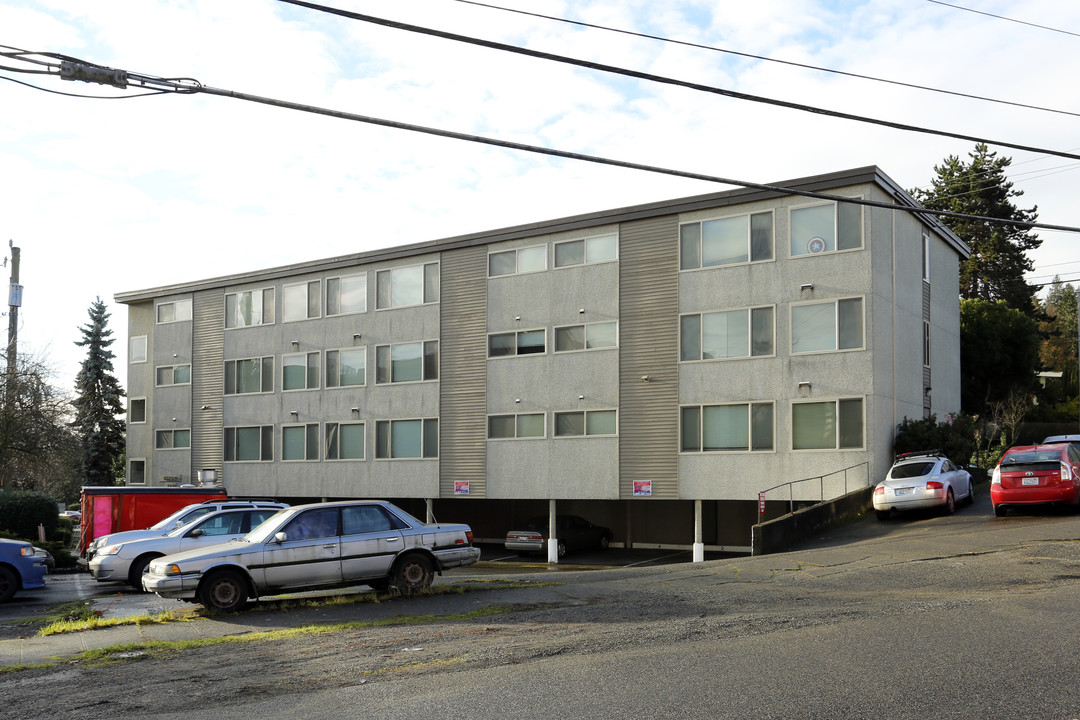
(207, 381)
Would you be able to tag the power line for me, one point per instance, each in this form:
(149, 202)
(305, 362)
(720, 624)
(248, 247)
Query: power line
(1002, 17)
(667, 80)
(751, 56)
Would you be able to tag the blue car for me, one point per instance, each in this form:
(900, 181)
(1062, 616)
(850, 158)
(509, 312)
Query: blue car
(21, 568)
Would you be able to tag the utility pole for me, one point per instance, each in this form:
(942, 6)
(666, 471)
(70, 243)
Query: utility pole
(14, 302)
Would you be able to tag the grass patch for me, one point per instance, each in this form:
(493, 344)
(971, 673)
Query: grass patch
(96, 622)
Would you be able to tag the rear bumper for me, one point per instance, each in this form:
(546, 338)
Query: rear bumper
(1061, 493)
(520, 545)
(457, 557)
(918, 499)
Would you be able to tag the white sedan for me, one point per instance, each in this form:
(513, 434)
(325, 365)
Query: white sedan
(922, 480)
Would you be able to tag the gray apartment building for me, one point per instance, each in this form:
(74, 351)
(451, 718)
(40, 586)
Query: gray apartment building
(651, 368)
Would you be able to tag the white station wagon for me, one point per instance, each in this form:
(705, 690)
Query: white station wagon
(311, 547)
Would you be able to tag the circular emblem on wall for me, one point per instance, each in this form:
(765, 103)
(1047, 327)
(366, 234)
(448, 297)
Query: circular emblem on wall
(816, 245)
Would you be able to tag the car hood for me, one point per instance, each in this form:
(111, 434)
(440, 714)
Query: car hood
(210, 553)
(127, 536)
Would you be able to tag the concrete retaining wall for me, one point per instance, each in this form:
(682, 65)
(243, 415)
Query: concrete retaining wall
(780, 534)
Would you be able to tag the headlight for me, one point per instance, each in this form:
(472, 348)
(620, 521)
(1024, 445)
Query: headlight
(111, 550)
(172, 569)
(26, 551)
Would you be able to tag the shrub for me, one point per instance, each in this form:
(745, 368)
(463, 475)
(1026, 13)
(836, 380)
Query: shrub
(954, 436)
(22, 512)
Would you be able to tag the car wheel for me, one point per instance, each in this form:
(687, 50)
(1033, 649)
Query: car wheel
(883, 514)
(412, 574)
(950, 503)
(9, 583)
(605, 541)
(560, 549)
(135, 572)
(1000, 510)
(224, 591)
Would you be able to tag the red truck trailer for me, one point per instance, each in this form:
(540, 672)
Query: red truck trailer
(114, 509)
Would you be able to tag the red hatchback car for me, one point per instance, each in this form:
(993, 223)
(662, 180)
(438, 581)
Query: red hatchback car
(1036, 474)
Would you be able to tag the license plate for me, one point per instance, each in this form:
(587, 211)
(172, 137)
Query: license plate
(904, 491)
(1030, 481)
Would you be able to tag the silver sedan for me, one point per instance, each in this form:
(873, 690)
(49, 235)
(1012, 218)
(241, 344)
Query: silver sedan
(922, 480)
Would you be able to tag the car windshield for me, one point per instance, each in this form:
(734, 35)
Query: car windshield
(261, 532)
(164, 524)
(911, 470)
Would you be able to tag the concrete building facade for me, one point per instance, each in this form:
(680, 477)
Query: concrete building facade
(652, 368)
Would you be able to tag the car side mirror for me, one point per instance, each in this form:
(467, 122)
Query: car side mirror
(279, 538)
(197, 532)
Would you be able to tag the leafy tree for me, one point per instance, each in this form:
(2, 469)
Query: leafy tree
(954, 436)
(1059, 353)
(97, 402)
(995, 270)
(999, 351)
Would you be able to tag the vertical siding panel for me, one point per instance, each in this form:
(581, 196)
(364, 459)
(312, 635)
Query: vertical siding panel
(649, 345)
(207, 381)
(463, 371)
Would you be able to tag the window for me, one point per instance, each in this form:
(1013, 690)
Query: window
(137, 410)
(136, 472)
(729, 334)
(252, 307)
(173, 375)
(833, 425)
(395, 439)
(726, 241)
(346, 295)
(300, 442)
(413, 285)
(300, 371)
(168, 439)
(826, 228)
(301, 301)
(588, 250)
(526, 425)
(926, 344)
(251, 375)
(743, 427)
(522, 260)
(137, 354)
(588, 422)
(249, 443)
(833, 325)
(359, 519)
(344, 441)
(523, 342)
(407, 362)
(176, 311)
(925, 257)
(592, 336)
(346, 368)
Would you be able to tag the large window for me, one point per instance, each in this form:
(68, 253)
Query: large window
(137, 354)
(346, 295)
(588, 250)
(407, 362)
(300, 442)
(345, 441)
(169, 439)
(825, 228)
(173, 375)
(592, 336)
(726, 241)
(522, 260)
(346, 368)
(825, 326)
(524, 425)
(587, 422)
(731, 334)
(176, 311)
(250, 375)
(136, 472)
(414, 285)
(252, 307)
(300, 371)
(399, 439)
(832, 425)
(301, 301)
(742, 427)
(245, 444)
(522, 342)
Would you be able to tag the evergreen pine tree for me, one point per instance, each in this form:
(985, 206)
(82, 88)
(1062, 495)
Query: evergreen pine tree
(995, 270)
(98, 408)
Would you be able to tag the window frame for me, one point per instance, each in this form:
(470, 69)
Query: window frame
(268, 316)
(266, 433)
(384, 439)
(836, 303)
(836, 228)
(310, 443)
(185, 302)
(138, 357)
(337, 282)
(750, 310)
(926, 257)
(334, 436)
(517, 426)
(585, 241)
(360, 350)
(312, 301)
(131, 404)
(262, 363)
(171, 433)
(312, 364)
(750, 433)
(517, 334)
(699, 264)
(585, 423)
(131, 474)
(517, 261)
(430, 286)
(585, 337)
(174, 368)
(429, 362)
(839, 432)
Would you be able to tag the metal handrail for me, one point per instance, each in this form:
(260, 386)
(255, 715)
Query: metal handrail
(821, 481)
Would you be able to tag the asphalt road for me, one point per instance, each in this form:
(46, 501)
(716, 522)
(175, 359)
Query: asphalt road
(966, 616)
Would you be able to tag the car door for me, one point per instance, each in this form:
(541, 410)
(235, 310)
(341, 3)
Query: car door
(308, 556)
(370, 540)
(950, 475)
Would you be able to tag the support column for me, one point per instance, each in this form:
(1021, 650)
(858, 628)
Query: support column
(430, 513)
(553, 540)
(699, 546)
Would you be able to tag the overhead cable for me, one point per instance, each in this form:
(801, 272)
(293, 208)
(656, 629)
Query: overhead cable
(1002, 17)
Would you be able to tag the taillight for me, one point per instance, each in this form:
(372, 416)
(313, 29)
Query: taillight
(934, 485)
(468, 536)
(995, 477)
(879, 490)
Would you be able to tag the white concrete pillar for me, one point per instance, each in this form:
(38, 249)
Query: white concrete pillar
(430, 513)
(553, 540)
(699, 547)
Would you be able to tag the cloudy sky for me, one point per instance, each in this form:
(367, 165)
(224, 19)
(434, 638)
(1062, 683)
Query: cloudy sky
(113, 195)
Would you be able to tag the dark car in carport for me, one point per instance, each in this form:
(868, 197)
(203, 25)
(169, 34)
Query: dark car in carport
(572, 532)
